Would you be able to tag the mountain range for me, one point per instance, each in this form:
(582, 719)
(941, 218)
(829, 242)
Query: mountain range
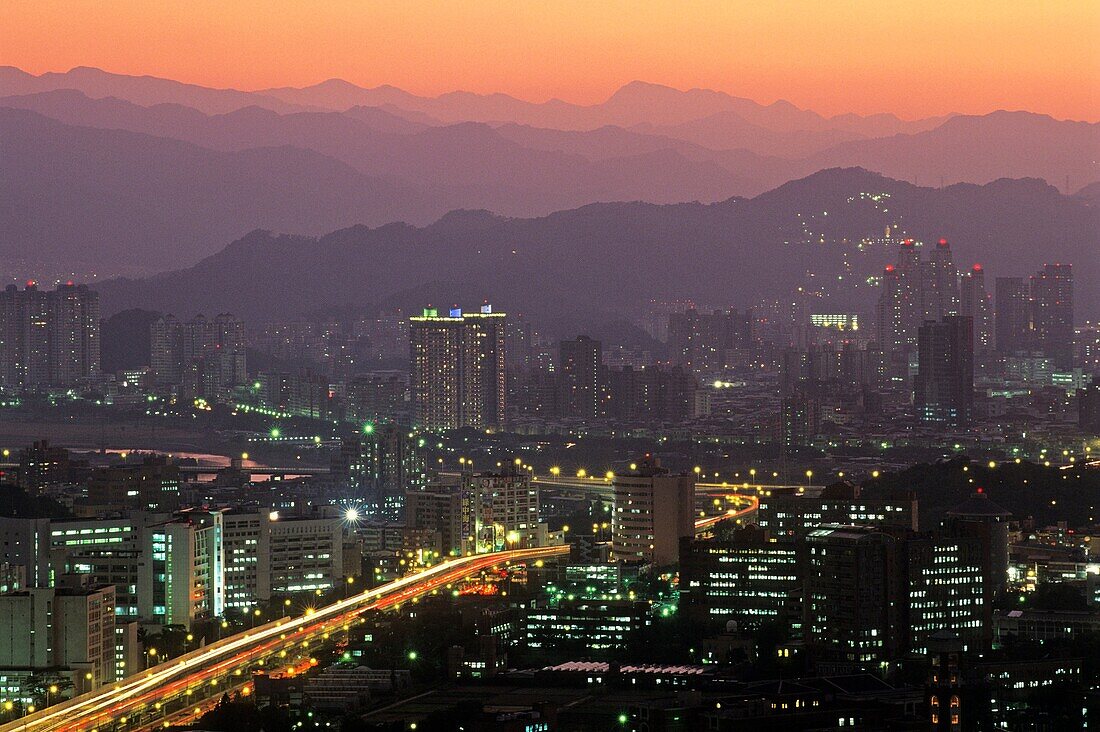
(601, 261)
(106, 173)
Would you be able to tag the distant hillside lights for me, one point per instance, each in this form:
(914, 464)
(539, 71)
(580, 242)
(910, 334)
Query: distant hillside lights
(48, 339)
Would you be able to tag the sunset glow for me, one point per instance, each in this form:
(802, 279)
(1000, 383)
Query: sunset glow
(912, 59)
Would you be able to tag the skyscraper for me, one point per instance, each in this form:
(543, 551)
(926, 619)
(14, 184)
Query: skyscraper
(458, 369)
(48, 338)
(944, 385)
(975, 304)
(1052, 312)
(940, 285)
(1013, 315)
(582, 378)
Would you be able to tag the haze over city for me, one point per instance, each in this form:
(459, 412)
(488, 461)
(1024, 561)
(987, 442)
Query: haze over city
(549, 367)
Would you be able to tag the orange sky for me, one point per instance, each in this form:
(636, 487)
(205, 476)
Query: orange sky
(910, 58)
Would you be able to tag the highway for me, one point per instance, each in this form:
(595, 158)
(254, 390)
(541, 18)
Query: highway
(185, 686)
(142, 700)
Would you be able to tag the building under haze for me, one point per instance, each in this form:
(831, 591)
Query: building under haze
(458, 369)
(206, 357)
(943, 389)
(48, 338)
(1052, 312)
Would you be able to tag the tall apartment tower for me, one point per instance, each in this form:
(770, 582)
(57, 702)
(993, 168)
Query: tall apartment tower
(654, 509)
(48, 339)
(940, 285)
(458, 369)
(944, 385)
(1013, 315)
(582, 378)
(976, 304)
(210, 352)
(1052, 312)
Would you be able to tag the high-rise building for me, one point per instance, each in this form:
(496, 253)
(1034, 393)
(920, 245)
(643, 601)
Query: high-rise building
(458, 369)
(206, 355)
(1052, 312)
(976, 304)
(48, 339)
(182, 579)
(1013, 315)
(1088, 405)
(914, 291)
(438, 510)
(853, 601)
(944, 385)
(946, 584)
(378, 396)
(940, 286)
(654, 508)
(582, 378)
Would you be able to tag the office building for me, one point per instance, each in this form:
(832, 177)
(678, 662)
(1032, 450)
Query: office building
(946, 586)
(944, 384)
(587, 627)
(458, 369)
(153, 484)
(181, 579)
(273, 554)
(747, 579)
(853, 603)
(48, 339)
(981, 518)
(789, 516)
(653, 509)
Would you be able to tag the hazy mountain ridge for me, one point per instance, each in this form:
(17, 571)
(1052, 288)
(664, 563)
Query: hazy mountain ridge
(604, 260)
(314, 170)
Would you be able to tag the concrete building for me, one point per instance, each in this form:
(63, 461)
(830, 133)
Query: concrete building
(499, 509)
(654, 509)
(60, 628)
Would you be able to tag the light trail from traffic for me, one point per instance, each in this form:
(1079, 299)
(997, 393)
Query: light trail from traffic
(210, 670)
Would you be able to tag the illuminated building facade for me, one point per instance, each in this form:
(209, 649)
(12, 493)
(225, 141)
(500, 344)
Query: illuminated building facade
(790, 516)
(458, 369)
(499, 510)
(748, 579)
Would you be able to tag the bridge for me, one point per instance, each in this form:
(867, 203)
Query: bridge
(183, 687)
